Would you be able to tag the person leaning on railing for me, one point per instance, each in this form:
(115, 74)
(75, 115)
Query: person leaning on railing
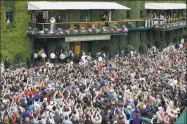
(167, 18)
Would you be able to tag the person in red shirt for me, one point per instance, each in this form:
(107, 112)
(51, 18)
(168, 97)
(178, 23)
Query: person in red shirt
(185, 45)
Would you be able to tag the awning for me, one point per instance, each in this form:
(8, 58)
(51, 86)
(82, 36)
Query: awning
(165, 6)
(44, 5)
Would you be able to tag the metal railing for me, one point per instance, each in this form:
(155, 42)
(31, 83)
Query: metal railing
(167, 24)
(68, 28)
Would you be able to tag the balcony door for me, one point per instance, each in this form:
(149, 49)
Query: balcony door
(85, 16)
(105, 15)
(40, 16)
(62, 16)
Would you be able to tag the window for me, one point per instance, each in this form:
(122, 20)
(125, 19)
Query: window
(84, 17)
(8, 16)
(104, 15)
(141, 13)
(148, 14)
(64, 15)
(128, 14)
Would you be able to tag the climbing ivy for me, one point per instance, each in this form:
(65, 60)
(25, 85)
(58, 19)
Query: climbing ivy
(14, 38)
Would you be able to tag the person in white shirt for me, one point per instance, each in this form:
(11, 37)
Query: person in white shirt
(35, 59)
(53, 56)
(62, 57)
(83, 57)
(180, 46)
(132, 53)
(52, 20)
(100, 59)
(85, 61)
(1, 68)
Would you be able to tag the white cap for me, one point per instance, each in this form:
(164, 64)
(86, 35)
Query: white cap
(129, 107)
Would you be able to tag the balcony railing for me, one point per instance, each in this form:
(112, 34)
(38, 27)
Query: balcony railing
(99, 27)
(169, 24)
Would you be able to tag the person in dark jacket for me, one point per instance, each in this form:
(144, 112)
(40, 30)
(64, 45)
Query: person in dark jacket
(6, 63)
(57, 118)
(28, 62)
(88, 120)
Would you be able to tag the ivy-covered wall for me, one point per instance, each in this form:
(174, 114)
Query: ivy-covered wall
(14, 39)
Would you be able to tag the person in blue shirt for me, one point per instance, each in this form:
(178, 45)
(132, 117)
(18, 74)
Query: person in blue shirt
(110, 67)
(129, 113)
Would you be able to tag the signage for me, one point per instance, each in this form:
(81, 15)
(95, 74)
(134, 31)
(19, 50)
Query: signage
(87, 38)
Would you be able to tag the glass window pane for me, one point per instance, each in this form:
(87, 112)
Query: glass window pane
(9, 16)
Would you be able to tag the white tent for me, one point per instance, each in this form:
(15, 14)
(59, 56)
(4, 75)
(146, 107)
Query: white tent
(44, 5)
(165, 6)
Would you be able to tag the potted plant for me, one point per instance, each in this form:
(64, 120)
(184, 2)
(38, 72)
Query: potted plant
(124, 29)
(35, 31)
(46, 31)
(29, 30)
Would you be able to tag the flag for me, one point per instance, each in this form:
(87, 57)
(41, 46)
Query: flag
(33, 92)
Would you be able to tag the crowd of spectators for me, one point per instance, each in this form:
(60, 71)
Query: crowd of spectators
(123, 90)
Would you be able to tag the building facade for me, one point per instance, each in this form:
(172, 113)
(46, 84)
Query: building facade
(145, 28)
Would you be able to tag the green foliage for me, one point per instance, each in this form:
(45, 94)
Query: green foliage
(19, 57)
(118, 15)
(14, 38)
(128, 48)
(160, 44)
(10, 5)
(134, 39)
(143, 48)
(114, 44)
(135, 6)
(105, 48)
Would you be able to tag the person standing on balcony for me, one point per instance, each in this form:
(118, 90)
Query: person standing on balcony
(59, 19)
(45, 16)
(154, 16)
(52, 24)
(167, 17)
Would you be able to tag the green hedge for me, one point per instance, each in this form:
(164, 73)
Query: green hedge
(143, 48)
(128, 48)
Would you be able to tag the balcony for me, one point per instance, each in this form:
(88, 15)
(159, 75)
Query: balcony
(169, 24)
(64, 29)
(85, 28)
